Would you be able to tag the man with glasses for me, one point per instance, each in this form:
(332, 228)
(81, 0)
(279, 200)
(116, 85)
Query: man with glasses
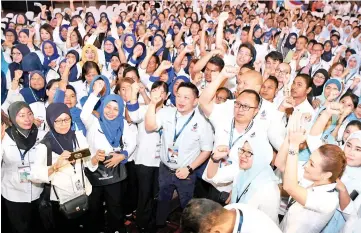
(234, 119)
(316, 62)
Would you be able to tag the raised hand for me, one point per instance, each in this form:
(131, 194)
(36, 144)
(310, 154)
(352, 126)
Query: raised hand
(221, 152)
(189, 49)
(223, 16)
(156, 96)
(18, 75)
(118, 43)
(288, 102)
(165, 65)
(296, 130)
(135, 89)
(229, 71)
(334, 108)
(98, 86)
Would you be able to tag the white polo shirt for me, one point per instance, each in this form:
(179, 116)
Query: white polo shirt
(254, 221)
(197, 136)
(321, 204)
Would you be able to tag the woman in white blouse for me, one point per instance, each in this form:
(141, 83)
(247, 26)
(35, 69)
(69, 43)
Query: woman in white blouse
(255, 184)
(66, 176)
(18, 155)
(313, 195)
(111, 134)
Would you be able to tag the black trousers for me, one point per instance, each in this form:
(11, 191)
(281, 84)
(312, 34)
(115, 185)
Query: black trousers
(148, 190)
(24, 217)
(111, 194)
(131, 189)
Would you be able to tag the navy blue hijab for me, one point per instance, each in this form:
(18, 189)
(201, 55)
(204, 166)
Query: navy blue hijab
(24, 50)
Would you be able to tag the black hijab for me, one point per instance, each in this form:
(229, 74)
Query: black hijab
(317, 91)
(59, 142)
(25, 139)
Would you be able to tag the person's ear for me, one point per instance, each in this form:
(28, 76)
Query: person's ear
(326, 175)
(309, 90)
(195, 102)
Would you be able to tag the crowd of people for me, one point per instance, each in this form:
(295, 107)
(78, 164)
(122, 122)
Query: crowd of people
(249, 116)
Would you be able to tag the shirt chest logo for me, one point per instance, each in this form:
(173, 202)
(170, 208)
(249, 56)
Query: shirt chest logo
(195, 127)
(263, 115)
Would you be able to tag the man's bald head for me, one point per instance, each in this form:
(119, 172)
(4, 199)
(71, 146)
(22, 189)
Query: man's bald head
(251, 80)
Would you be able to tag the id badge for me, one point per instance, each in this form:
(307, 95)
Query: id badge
(24, 172)
(77, 184)
(157, 150)
(173, 154)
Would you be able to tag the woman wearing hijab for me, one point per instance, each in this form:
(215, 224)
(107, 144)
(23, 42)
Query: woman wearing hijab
(159, 43)
(89, 53)
(24, 38)
(11, 38)
(128, 44)
(67, 178)
(138, 54)
(51, 56)
(109, 50)
(173, 87)
(18, 181)
(353, 65)
(106, 90)
(110, 134)
(288, 45)
(318, 81)
(327, 52)
(32, 61)
(18, 52)
(34, 95)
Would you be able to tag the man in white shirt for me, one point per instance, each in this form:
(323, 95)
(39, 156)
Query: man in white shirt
(187, 141)
(203, 215)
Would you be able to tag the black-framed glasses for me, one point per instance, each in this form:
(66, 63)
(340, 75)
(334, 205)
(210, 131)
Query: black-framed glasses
(244, 152)
(62, 121)
(242, 106)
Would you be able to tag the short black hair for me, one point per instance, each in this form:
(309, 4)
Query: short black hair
(353, 97)
(251, 48)
(157, 84)
(190, 86)
(317, 43)
(275, 55)
(217, 61)
(356, 123)
(252, 92)
(199, 212)
(229, 93)
(335, 35)
(274, 79)
(303, 37)
(246, 29)
(307, 79)
(130, 69)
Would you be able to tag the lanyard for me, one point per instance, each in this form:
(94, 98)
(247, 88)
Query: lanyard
(244, 192)
(231, 142)
(240, 221)
(22, 155)
(176, 135)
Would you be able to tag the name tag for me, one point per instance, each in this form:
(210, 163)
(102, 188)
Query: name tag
(157, 150)
(172, 154)
(24, 172)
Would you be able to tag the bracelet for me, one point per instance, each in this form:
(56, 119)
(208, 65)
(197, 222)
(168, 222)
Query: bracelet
(54, 168)
(215, 160)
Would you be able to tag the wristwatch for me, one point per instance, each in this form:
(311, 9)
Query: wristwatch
(190, 170)
(292, 152)
(215, 160)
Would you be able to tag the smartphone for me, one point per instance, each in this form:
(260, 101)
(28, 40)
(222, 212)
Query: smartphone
(79, 154)
(354, 195)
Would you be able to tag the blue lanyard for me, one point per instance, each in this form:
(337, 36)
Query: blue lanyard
(231, 142)
(176, 135)
(240, 221)
(22, 155)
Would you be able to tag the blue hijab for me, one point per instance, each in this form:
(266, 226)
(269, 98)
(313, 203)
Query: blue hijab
(24, 50)
(32, 95)
(172, 96)
(107, 91)
(108, 56)
(48, 59)
(73, 75)
(327, 56)
(66, 26)
(130, 49)
(141, 58)
(257, 40)
(163, 46)
(30, 63)
(112, 129)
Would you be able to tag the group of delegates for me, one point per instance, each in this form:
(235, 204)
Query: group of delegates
(256, 108)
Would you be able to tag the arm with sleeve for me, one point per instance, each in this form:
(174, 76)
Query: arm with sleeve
(39, 170)
(136, 112)
(130, 140)
(86, 114)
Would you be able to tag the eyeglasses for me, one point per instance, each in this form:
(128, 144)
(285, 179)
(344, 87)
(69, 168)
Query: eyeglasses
(320, 76)
(221, 99)
(283, 72)
(62, 121)
(244, 152)
(16, 54)
(242, 106)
